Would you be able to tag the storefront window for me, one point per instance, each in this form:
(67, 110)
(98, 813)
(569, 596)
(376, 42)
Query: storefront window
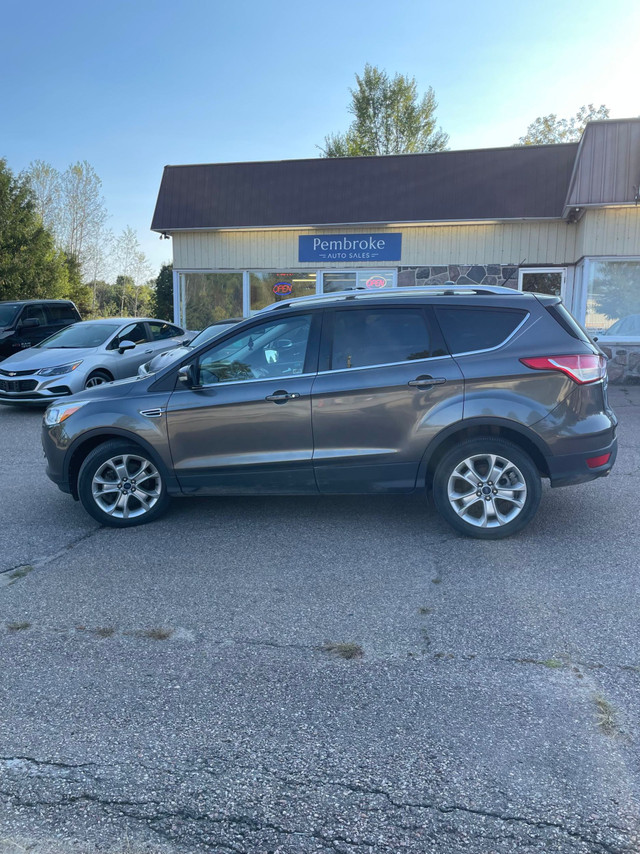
(613, 299)
(208, 297)
(275, 287)
(542, 281)
(372, 280)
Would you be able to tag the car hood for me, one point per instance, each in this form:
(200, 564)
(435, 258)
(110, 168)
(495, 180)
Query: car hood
(104, 391)
(39, 357)
(164, 359)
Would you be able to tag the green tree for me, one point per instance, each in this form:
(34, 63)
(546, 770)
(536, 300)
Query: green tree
(164, 293)
(72, 207)
(550, 129)
(132, 264)
(106, 299)
(76, 290)
(30, 264)
(389, 118)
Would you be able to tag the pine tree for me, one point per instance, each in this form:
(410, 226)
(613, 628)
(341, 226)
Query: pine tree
(30, 264)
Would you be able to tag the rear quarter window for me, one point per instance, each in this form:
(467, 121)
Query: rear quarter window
(568, 322)
(467, 329)
(62, 313)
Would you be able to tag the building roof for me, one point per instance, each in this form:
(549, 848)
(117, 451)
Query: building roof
(479, 184)
(607, 169)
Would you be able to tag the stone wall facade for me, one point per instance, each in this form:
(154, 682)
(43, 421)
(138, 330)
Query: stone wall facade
(461, 274)
(624, 363)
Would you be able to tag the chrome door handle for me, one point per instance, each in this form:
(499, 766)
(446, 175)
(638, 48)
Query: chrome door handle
(426, 381)
(148, 351)
(282, 396)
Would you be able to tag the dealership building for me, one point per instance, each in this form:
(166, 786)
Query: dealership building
(561, 219)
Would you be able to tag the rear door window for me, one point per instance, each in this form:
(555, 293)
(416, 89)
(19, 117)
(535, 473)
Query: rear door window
(468, 329)
(62, 314)
(162, 331)
(379, 336)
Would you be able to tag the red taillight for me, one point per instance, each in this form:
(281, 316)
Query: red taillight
(582, 369)
(596, 462)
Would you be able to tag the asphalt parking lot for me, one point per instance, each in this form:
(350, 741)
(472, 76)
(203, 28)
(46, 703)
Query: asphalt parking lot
(169, 687)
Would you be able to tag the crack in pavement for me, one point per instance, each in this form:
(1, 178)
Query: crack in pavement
(37, 563)
(156, 815)
(47, 762)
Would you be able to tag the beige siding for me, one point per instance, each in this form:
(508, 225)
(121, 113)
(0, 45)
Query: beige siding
(551, 242)
(612, 231)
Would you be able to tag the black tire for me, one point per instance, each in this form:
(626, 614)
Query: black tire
(96, 378)
(114, 502)
(493, 506)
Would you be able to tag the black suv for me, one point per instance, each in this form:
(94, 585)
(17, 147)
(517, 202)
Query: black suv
(473, 393)
(24, 323)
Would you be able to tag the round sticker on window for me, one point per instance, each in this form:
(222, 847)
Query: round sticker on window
(282, 288)
(376, 282)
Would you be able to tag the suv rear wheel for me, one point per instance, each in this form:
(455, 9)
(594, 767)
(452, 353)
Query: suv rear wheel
(487, 488)
(120, 486)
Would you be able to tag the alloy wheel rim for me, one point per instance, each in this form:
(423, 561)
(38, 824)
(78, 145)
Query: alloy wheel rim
(94, 381)
(487, 491)
(126, 486)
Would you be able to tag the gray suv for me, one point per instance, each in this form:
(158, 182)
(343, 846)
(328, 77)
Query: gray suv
(474, 394)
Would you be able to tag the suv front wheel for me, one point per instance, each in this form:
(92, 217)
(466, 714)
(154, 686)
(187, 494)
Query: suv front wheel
(487, 488)
(120, 486)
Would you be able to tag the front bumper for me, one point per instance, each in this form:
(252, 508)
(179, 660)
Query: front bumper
(32, 388)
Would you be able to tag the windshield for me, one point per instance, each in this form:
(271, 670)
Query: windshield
(80, 335)
(626, 326)
(209, 333)
(8, 312)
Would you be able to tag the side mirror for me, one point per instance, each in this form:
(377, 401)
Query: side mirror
(187, 340)
(30, 323)
(187, 375)
(126, 345)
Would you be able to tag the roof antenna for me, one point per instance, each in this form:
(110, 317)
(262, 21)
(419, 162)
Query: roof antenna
(504, 284)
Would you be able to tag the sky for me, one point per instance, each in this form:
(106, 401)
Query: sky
(133, 86)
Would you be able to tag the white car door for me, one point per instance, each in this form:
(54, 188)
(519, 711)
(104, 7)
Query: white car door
(126, 364)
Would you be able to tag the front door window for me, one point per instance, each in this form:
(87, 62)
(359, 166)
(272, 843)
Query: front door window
(276, 348)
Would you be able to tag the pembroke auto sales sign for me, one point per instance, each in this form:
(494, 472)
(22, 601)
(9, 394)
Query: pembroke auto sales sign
(349, 247)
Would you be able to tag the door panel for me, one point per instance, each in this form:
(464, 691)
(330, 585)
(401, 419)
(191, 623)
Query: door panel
(30, 335)
(228, 438)
(247, 427)
(371, 428)
(126, 364)
(385, 389)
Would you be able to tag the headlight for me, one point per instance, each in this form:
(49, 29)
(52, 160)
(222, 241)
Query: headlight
(59, 412)
(59, 369)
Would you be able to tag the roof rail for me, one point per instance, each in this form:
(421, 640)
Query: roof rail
(362, 293)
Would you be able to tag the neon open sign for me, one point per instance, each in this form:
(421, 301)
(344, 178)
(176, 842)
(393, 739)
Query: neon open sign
(282, 288)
